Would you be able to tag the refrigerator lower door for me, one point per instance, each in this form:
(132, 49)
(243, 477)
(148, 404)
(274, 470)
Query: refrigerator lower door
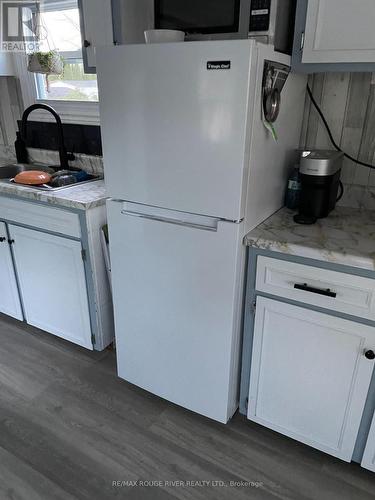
(176, 287)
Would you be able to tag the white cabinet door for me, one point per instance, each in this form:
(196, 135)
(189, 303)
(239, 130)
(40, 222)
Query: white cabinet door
(96, 27)
(339, 31)
(52, 284)
(368, 461)
(309, 375)
(131, 18)
(9, 297)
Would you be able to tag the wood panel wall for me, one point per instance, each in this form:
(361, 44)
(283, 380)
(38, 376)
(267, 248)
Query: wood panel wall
(10, 109)
(348, 103)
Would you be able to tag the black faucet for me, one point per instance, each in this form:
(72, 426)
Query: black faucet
(64, 156)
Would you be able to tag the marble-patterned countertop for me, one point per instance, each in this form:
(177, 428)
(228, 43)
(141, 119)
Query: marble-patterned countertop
(346, 237)
(82, 196)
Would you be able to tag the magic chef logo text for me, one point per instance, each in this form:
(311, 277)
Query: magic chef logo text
(218, 65)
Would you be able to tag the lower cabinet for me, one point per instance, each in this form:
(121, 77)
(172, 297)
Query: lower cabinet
(310, 376)
(52, 283)
(9, 298)
(368, 461)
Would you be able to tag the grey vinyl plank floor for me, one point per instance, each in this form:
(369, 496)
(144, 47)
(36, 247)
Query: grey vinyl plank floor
(70, 428)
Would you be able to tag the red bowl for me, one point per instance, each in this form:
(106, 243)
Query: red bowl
(32, 178)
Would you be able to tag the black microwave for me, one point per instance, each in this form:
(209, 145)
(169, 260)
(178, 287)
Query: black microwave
(270, 21)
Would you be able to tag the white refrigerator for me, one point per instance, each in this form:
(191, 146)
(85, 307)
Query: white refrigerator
(189, 168)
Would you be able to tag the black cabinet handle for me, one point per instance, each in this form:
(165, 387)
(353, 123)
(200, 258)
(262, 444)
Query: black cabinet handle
(370, 355)
(10, 242)
(86, 44)
(2, 239)
(306, 288)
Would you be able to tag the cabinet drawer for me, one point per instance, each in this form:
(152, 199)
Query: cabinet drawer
(40, 216)
(319, 287)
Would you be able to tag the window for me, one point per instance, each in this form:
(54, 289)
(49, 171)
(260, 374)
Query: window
(63, 34)
(73, 94)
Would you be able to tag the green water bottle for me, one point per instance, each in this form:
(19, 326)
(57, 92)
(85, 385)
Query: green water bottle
(293, 190)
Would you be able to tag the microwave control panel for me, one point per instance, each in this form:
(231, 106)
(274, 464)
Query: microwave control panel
(260, 15)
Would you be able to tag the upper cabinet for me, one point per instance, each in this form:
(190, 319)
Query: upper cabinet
(108, 22)
(96, 29)
(131, 18)
(334, 35)
(339, 31)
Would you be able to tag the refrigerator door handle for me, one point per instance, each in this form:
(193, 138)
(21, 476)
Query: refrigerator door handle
(176, 222)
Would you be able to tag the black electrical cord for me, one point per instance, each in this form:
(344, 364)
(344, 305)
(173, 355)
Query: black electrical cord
(316, 105)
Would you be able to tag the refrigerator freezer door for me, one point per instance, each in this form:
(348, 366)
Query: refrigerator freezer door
(176, 295)
(174, 131)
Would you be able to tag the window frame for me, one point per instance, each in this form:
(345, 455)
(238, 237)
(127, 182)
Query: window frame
(81, 112)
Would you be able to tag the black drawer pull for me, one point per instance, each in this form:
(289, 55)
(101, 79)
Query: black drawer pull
(306, 288)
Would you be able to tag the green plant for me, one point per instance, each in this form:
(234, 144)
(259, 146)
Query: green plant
(45, 58)
(46, 62)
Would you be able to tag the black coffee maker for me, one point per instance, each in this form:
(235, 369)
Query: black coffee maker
(320, 173)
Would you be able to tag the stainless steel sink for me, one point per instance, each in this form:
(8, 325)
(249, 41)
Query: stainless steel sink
(8, 172)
